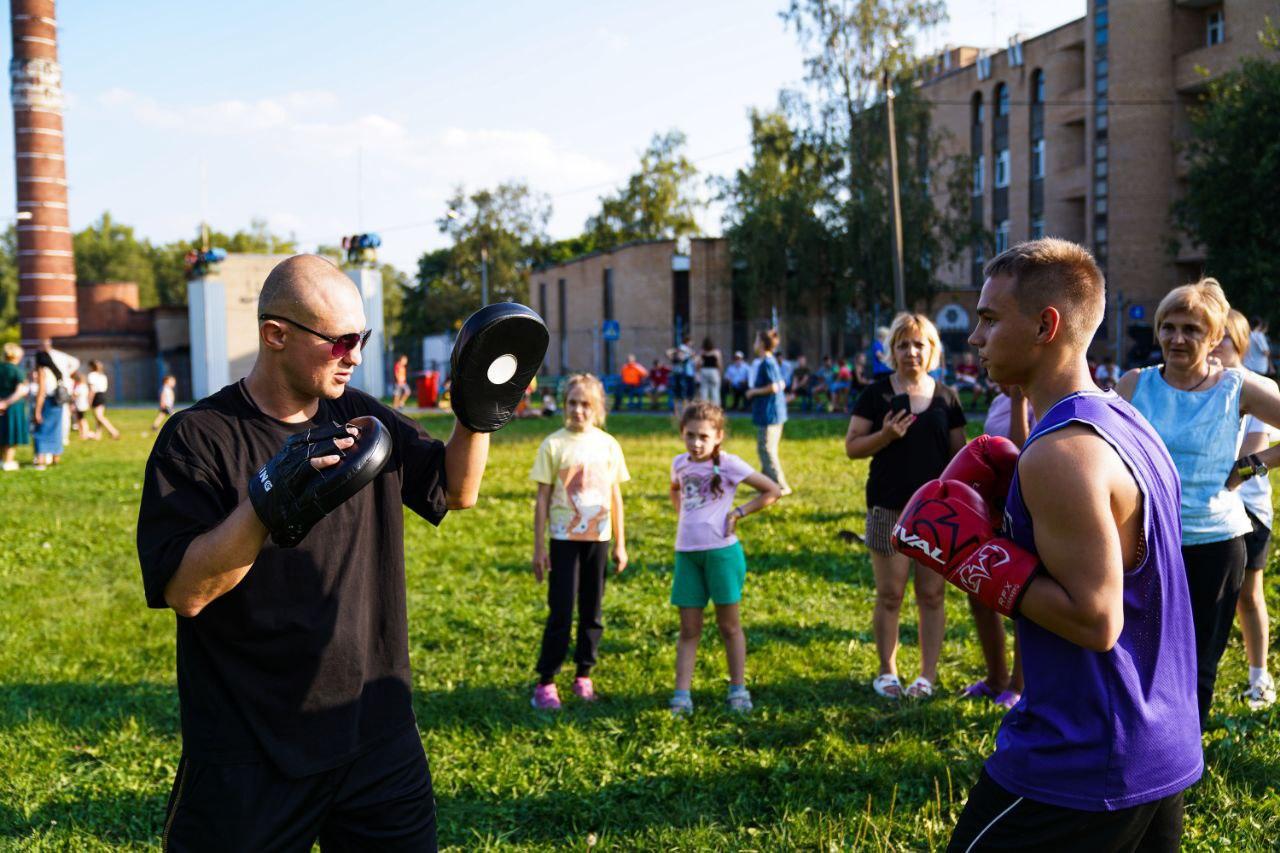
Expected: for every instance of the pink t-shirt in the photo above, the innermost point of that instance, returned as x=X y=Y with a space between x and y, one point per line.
x=702 y=513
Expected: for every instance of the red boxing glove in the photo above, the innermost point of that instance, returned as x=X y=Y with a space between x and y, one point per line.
x=947 y=527
x=986 y=464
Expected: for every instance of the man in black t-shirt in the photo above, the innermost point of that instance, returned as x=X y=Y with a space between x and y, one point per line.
x=293 y=665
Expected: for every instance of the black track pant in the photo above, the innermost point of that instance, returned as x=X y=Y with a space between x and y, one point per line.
x=577 y=576
x=1215 y=572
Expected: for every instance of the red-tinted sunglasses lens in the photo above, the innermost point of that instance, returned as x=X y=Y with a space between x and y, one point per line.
x=353 y=341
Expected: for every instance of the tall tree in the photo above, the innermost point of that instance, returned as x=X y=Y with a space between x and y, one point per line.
x=107 y=250
x=659 y=201
x=1234 y=212
x=494 y=232
x=9 y=330
x=853 y=47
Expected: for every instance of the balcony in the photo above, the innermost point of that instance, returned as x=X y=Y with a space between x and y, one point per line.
x=1186 y=77
x=1071 y=182
x=1070 y=107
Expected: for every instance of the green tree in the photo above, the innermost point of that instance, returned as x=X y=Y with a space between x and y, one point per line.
x=107 y=250
x=659 y=201
x=1231 y=206
x=439 y=299
x=9 y=285
x=853 y=47
x=494 y=232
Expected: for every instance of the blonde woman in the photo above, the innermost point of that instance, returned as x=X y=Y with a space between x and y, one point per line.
x=1251 y=610
x=1196 y=404
x=910 y=426
x=13 y=407
x=579 y=471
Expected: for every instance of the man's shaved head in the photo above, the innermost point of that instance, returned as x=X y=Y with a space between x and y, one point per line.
x=306 y=288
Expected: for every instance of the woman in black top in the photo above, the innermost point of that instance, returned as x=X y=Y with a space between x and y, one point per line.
x=710 y=363
x=910 y=426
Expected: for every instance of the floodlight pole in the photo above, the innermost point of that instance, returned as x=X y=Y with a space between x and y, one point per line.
x=895 y=214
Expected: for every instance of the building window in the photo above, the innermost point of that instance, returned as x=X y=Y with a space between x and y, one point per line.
x=979 y=254
x=1100 y=18
x=542 y=299
x=1100 y=188
x=979 y=174
x=1101 y=122
x=1100 y=86
x=1002 y=168
x=1100 y=68
x=1037 y=159
x=1215 y=27
x=1100 y=151
x=1037 y=228
x=1100 y=36
x=1002 y=100
x=1100 y=205
x=976 y=111
x=1100 y=234
x=1002 y=236
x=1037 y=87
x=1100 y=168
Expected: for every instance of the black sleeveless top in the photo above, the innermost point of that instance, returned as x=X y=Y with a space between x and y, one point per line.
x=710 y=359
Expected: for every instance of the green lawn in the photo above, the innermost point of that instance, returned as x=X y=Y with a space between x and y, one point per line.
x=89 y=734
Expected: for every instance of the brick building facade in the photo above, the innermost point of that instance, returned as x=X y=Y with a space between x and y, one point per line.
x=1077 y=133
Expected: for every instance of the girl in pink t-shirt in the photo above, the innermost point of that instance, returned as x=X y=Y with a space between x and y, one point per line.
x=710 y=564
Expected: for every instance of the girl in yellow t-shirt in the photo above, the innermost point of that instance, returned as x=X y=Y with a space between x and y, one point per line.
x=579 y=471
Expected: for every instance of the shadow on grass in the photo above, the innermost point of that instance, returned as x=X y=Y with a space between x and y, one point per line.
x=116 y=820
x=93 y=707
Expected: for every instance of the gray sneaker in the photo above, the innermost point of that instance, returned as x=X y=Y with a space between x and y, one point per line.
x=739 y=703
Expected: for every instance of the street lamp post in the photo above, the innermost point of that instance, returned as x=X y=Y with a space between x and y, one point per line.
x=895 y=221
x=484 y=261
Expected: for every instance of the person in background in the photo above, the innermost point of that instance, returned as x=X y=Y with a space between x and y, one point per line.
x=909 y=445
x=167 y=392
x=630 y=384
x=1107 y=374
x=400 y=376
x=842 y=384
x=659 y=382
x=13 y=407
x=737 y=376
x=1251 y=610
x=801 y=383
x=80 y=406
x=769 y=408
x=548 y=403
x=710 y=362
x=1196 y=406
x=1009 y=416
x=820 y=384
x=98 y=402
x=967 y=375
x=880 y=355
x=1258 y=356
x=49 y=405
x=682 y=374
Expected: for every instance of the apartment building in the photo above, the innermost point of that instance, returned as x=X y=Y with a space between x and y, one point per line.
x=1077 y=133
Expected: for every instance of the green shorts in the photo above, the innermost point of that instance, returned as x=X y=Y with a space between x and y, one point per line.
x=718 y=574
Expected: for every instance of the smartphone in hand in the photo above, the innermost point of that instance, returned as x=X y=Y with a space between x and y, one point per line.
x=899 y=403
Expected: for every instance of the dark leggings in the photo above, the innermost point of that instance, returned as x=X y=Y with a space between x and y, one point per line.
x=577 y=575
x=1215 y=572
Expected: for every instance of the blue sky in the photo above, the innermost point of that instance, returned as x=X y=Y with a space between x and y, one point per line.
x=279 y=103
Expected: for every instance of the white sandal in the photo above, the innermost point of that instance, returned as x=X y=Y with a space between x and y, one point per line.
x=921 y=688
x=888 y=686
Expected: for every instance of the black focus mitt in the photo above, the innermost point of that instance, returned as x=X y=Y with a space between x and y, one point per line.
x=495 y=356
x=290 y=495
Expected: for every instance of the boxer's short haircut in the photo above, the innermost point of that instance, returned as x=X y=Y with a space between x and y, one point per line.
x=1050 y=271
x=1204 y=299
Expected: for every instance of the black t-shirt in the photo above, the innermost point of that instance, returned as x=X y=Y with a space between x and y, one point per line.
x=305 y=662
x=919 y=456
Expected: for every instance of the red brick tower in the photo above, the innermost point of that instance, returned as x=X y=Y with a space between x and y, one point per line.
x=46 y=266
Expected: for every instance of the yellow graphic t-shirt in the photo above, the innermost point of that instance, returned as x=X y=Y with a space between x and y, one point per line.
x=581 y=468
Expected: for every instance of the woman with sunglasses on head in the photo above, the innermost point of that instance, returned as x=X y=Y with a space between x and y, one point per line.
x=289 y=583
x=1197 y=405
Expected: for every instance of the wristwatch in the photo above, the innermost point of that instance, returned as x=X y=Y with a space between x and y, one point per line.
x=1250 y=466
x=737 y=510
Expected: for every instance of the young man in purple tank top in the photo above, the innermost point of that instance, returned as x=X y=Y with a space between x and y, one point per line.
x=1086 y=557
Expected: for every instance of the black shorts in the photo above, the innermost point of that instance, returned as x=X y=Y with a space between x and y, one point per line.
x=1257 y=545
x=99 y=399
x=382 y=800
x=995 y=819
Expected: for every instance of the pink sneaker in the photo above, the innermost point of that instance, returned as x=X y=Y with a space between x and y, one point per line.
x=584 y=689
x=546 y=698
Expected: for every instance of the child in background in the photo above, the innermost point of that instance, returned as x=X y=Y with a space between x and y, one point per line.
x=709 y=559
x=166 y=401
x=579 y=471
x=80 y=406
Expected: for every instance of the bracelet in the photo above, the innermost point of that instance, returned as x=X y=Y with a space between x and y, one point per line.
x=737 y=510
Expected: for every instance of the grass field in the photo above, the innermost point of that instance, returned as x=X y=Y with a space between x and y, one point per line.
x=89 y=736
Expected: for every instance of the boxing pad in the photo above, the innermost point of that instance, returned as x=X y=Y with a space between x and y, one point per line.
x=947 y=527
x=495 y=356
x=290 y=495
x=986 y=464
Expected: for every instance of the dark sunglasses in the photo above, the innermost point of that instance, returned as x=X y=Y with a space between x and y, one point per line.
x=342 y=344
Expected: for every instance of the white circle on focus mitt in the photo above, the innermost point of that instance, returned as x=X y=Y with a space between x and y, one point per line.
x=502 y=368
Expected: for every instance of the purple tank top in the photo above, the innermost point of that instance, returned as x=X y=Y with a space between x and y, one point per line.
x=1100 y=731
